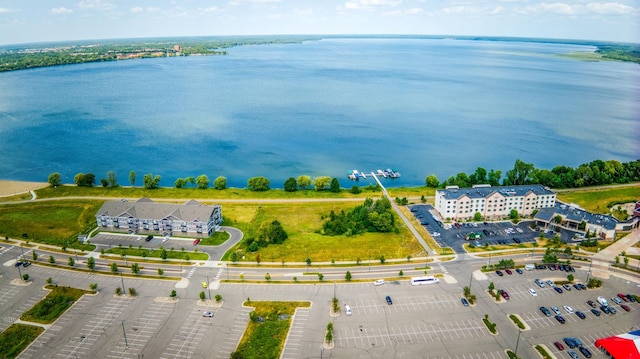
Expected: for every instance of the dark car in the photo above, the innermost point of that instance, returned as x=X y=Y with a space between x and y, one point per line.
x=605 y=309
x=595 y=312
x=591 y=303
x=573 y=354
x=582 y=286
x=560 y=319
x=580 y=314
x=509 y=272
x=612 y=310
x=519 y=271
x=18 y=263
x=559 y=345
x=585 y=352
x=464 y=302
x=631 y=298
x=570 y=343
x=558 y=289
x=504 y=294
x=389 y=301
x=26 y=264
x=149 y=237
x=486 y=233
x=625 y=307
x=545 y=311
x=623 y=297
x=499 y=273
x=577 y=286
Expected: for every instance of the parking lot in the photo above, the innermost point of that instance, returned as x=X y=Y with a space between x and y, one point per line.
x=110 y=240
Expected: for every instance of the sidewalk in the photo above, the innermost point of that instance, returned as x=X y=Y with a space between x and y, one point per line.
x=610 y=253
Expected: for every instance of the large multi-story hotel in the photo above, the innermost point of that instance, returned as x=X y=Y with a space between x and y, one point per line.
x=146 y=216
x=492 y=202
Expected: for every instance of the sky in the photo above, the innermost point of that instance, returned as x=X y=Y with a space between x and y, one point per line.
x=26 y=21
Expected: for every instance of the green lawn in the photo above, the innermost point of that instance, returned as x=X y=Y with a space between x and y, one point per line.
x=175 y=253
x=16 y=338
x=264 y=340
x=54 y=223
x=302 y=221
x=600 y=200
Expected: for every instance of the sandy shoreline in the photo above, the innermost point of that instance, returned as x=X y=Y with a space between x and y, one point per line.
x=11 y=188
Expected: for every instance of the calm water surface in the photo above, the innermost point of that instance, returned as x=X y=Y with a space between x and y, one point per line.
x=321 y=108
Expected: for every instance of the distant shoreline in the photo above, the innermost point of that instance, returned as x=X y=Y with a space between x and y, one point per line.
x=12 y=188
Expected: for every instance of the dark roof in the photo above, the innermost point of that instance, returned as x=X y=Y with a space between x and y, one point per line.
x=576 y=215
x=483 y=192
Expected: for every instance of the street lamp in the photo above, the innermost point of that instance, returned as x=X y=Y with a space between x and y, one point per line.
x=122 y=279
x=208 y=287
x=19 y=272
x=125 y=335
x=517 y=342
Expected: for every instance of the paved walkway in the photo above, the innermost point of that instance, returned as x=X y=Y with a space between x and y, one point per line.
x=610 y=253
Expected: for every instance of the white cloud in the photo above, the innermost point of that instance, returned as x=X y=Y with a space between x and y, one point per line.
x=136 y=9
x=5 y=10
x=460 y=9
x=96 y=4
x=61 y=11
x=610 y=8
x=411 y=11
x=369 y=4
x=210 y=9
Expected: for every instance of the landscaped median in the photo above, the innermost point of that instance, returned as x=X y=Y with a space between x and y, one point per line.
x=19 y=336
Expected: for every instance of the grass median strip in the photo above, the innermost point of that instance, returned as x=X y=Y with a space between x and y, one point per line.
x=16 y=338
x=54 y=304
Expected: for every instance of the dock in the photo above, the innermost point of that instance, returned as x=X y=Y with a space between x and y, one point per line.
x=356 y=175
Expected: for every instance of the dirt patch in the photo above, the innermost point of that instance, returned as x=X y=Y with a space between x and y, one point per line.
x=12 y=188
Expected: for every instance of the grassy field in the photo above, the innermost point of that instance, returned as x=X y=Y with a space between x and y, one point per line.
x=600 y=200
x=53 y=223
x=301 y=221
x=16 y=338
x=175 y=253
x=53 y=305
x=265 y=340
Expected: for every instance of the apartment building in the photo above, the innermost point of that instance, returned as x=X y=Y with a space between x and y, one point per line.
x=492 y=202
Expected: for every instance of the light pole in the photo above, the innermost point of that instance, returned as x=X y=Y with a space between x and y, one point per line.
x=122 y=279
x=517 y=342
x=589 y=272
x=19 y=272
x=470 y=279
x=334 y=289
x=321 y=350
x=208 y=288
x=125 y=335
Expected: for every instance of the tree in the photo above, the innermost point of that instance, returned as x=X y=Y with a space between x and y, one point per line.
x=220 y=183
x=114 y=267
x=179 y=183
x=54 y=179
x=570 y=277
x=112 y=181
x=514 y=215
x=347 y=276
x=304 y=182
x=190 y=180
x=135 y=268
x=202 y=182
x=104 y=182
x=93 y=286
x=320 y=277
x=160 y=271
x=290 y=185
x=72 y=262
x=52 y=260
x=494 y=177
x=355 y=189
x=321 y=182
x=218 y=298
x=173 y=293
x=132 y=292
x=25 y=277
x=520 y=174
x=335 y=185
x=84 y=180
x=491 y=287
x=163 y=254
x=477 y=216
x=382 y=260
x=118 y=290
x=258 y=184
x=432 y=181
x=267 y=276
x=91 y=263
x=132 y=178
x=203 y=296
x=151 y=182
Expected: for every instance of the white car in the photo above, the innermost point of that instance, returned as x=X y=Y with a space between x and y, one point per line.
x=568 y=309
x=378 y=282
x=207 y=314
x=550 y=283
x=533 y=292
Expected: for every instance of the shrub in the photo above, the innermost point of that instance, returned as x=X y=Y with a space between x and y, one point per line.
x=132 y=292
x=203 y=296
x=218 y=298
x=173 y=293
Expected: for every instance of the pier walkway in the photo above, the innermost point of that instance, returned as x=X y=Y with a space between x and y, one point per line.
x=404 y=218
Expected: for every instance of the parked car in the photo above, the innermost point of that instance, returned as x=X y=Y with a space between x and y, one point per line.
x=612 y=310
x=26 y=263
x=499 y=273
x=559 y=345
x=464 y=302
x=625 y=307
x=18 y=263
x=504 y=294
x=539 y=283
x=573 y=354
x=585 y=352
x=577 y=341
x=518 y=270
x=595 y=312
x=631 y=298
x=195 y=243
x=568 y=309
x=550 y=283
x=566 y=287
x=389 y=301
x=592 y=304
x=207 y=314
x=509 y=272
x=577 y=286
x=570 y=343
x=581 y=315
x=555 y=309
x=623 y=297
x=533 y=292
x=560 y=319
x=149 y=237
x=557 y=289
x=605 y=309
x=378 y=282
x=617 y=300
x=582 y=286
x=545 y=311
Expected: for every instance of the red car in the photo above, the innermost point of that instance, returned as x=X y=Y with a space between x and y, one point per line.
x=509 y=272
x=623 y=297
x=504 y=294
x=195 y=243
x=559 y=345
x=625 y=307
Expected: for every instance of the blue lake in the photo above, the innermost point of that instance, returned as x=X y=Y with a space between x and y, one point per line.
x=318 y=108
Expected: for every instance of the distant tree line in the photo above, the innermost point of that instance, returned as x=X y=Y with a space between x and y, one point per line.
x=594 y=173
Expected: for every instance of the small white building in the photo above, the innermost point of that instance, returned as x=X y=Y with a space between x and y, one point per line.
x=492 y=202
